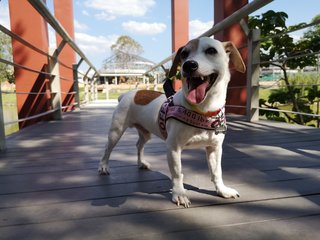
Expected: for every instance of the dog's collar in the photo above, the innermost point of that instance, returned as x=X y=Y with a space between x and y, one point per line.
x=210 y=121
x=208 y=114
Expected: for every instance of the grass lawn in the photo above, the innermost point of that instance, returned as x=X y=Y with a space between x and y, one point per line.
x=265 y=93
x=10 y=112
x=116 y=90
x=10 y=109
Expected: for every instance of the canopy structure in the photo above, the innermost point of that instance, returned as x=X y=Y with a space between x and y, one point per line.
x=126 y=65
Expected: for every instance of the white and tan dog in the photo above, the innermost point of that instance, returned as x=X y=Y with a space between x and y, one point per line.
x=205 y=71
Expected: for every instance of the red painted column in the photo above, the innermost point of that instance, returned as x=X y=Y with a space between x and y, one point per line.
x=29 y=25
x=223 y=9
x=180 y=28
x=180 y=23
x=63 y=11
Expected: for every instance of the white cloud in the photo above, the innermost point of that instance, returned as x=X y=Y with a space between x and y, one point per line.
x=4 y=15
x=197 y=27
x=52 y=38
x=94 y=44
x=114 y=8
x=80 y=26
x=85 y=13
x=96 y=48
x=104 y=16
x=144 y=28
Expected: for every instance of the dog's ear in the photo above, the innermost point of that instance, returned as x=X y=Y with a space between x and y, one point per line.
x=175 y=63
x=235 y=56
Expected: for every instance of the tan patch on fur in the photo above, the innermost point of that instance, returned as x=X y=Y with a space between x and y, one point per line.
x=144 y=97
x=194 y=44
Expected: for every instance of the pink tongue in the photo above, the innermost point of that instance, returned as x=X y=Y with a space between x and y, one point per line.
x=196 y=95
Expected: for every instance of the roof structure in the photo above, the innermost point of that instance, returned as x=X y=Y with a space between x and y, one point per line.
x=125 y=64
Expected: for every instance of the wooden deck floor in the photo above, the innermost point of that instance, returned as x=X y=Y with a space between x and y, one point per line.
x=49 y=187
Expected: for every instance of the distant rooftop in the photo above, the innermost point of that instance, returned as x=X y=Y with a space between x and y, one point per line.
x=125 y=63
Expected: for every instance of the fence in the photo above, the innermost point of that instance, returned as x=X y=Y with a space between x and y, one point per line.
x=290 y=87
x=254 y=64
x=56 y=108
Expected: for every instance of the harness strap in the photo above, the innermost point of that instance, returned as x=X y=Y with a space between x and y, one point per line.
x=194 y=119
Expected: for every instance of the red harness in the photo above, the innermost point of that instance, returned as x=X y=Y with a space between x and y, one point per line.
x=215 y=121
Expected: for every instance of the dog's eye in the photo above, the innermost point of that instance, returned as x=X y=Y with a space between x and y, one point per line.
x=211 y=51
x=184 y=54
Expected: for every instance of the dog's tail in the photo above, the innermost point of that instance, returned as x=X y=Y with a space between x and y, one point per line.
x=120 y=97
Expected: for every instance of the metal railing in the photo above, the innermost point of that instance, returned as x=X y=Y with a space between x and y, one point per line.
x=51 y=73
x=236 y=17
x=282 y=82
x=253 y=64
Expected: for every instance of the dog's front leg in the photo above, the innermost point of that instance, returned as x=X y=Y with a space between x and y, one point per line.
x=178 y=192
x=214 y=155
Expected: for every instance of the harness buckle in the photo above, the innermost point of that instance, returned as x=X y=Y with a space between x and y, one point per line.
x=220 y=129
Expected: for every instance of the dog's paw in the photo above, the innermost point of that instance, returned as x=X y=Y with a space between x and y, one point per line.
x=227 y=192
x=145 y=166
x=103 y=170
x=181 y=200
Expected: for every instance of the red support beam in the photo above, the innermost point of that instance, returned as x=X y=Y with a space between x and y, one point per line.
x=63 y=11
x=223 y=9
x=29 y=25
x=180 y=23
x=180 y=28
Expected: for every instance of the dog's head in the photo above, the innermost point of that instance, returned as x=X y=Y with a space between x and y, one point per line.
x=204 y=63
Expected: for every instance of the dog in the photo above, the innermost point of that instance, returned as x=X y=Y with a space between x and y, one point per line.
x=205 y=74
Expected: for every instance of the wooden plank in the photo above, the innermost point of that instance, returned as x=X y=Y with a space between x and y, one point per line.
x=152 y=223
x=49 y=184
x=199 y=194
x=292 y=228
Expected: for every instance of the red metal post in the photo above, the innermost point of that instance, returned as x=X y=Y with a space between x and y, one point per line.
x=63 y=11
x=180 y=23
x=29 y=25
x=223 y=9
x=180 y=28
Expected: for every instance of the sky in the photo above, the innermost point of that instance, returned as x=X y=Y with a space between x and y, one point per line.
x=98 y=23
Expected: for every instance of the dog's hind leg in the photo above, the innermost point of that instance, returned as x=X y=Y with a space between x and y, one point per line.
x=118 y=126
x=144 y=136
x=113 y=138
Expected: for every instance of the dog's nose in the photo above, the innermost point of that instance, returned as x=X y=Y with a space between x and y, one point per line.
x=190 y=66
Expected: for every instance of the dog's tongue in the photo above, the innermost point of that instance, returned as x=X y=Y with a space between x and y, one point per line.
x=197 y=91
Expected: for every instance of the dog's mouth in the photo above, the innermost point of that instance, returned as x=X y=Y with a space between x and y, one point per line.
x=199 y=86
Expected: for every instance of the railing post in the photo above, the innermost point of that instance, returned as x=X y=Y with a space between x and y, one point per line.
x=86 y=89
x=55 y=81
x=107 y=89
x=253 y=74
x=96 y=89
x=55 y=90
x=92 y=90
x=2 y=126
x=76 y=84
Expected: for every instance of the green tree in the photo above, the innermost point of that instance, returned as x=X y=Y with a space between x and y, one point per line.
x=282 y=51
x=127 y=45
x=6 y=71
x=124 y=51
x=313 y=35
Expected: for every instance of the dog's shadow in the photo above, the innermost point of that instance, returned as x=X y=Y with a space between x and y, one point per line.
x=190 y=187
x=148 y=184
x=115 y=189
